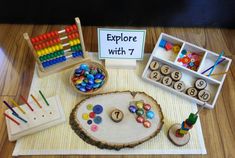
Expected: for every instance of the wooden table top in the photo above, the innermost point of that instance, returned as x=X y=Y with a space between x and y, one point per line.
x=17 y=66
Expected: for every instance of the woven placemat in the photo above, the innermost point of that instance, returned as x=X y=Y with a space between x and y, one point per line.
x=61 y=139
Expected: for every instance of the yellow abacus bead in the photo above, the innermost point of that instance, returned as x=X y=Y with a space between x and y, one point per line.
x=71 y=43
x=46 y=51
x=50 y=49
x=60 y=45
x=53 y=48
x=78 y=41
x=43 y=52
x=75 y=42
x=57 y=47
x=39 y=53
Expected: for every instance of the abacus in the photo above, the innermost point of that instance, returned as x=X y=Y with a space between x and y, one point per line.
x=57 y=50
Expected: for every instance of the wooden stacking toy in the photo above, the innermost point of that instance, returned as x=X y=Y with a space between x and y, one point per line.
x=187 y=70
x=57 y=50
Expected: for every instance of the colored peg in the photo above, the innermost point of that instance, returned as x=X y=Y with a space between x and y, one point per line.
x=39 y=105
x=43 y=97
x=13 y=111
x=26 y=102
x=12 y=119
x=16 y=105
x=18 y=116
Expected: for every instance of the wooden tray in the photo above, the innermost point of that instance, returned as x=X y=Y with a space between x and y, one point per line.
x=214 y=83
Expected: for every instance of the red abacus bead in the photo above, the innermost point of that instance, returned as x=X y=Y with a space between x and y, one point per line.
x=48 y=43
x=69 y=36
x=48 y=35
x=44 y=45
x=67 y=29
x=73 y=36
x=40 y=37
x=92 y=115
x=140 y=119
x=36 y=39
x=74 y=27
x=44 y=36
x=58 y=40
x=71 y=28
x=33 y=40
x=76 y=34
x=56 y=33
x=52 y=34
x=40 y=46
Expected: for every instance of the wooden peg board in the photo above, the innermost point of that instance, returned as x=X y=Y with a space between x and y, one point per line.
x=46 y=56
x=37 y=120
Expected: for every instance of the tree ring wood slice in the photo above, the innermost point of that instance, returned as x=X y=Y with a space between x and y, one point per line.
x=178 y=141
x=127 y=133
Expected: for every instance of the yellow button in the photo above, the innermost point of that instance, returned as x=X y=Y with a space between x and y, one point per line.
x=85 y=116
x=89 y=107
x=139 y=105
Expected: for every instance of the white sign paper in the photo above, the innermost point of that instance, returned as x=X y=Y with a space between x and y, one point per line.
x=121 y=43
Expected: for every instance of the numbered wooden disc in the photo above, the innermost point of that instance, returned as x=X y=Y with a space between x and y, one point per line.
x=155 y=75
x=192 y=91
x=200 y=84
x=179 y=86
x=176 y=75
x=204 y=95
x=166 y=80
x=165 y=69
x=117 y=115
x=154 y=65
x=179 y=141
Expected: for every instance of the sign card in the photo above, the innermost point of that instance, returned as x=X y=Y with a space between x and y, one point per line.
x=121 y=43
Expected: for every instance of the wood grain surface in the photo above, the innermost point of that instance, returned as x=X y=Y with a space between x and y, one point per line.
x=17 y=66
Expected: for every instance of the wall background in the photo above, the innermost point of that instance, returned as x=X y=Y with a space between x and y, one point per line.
x=180 y=13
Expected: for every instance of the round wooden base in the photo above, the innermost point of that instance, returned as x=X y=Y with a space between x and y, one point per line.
x=179 y=141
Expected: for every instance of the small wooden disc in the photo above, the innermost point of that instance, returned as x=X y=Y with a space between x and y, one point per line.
x=154 y=65
x=176 y=75
x=192 y=91
x=155 y=75
x=200 y=84
x=204 y=95
x=117 y=115
x=179 y=86
x=166 y=80
x=179 y=141
x=165 y=69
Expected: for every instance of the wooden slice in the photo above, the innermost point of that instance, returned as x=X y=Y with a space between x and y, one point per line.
x=179 y=86
x=107 y=134
x=154 y=65
x=117 y=115
x=155 y=75
x=176 y=75
x=204 y=95
x=192 y=91
x=166 y=81
x=165 y=69
x=200 y=84
x=178 y=141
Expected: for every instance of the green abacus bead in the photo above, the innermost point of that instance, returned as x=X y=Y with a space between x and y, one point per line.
x=72 y=48
x=79 y=47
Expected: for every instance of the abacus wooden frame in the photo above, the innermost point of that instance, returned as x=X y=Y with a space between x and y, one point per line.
x=57 y=67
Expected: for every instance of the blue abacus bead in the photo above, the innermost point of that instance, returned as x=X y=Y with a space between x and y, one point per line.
x=97 y=85
x=83 y=83
x=102 y=77
x=132 y=109
x=98 y=109
x=162 y=43
x=90 y=76
x=44 y=64
x=83 y=89
x=150 y=114
x=64 y=58
x=73 y=54
x=78 y=86
x=53 y=61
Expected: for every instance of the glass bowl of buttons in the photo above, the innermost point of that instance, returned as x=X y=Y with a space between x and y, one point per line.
x=88 y=77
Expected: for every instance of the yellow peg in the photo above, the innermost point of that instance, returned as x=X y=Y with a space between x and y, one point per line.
x=16 y=105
